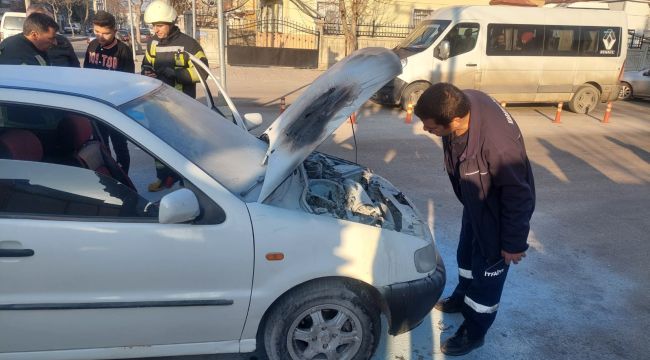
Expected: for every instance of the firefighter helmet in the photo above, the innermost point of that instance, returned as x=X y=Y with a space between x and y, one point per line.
x=160 y=11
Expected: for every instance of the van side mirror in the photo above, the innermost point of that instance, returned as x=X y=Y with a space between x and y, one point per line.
x=178 y=207
x=442 y=51
x=253 y=120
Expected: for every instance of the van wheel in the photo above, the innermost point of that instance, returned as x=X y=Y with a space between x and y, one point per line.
x=585 y=99
x=626 y=91
x=412 y=94
x=325 y=320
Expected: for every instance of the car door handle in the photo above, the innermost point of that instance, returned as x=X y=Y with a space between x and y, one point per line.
x=471 y=65
x=16 y=252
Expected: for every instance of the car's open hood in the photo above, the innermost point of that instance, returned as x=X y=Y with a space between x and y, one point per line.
x=324 y=106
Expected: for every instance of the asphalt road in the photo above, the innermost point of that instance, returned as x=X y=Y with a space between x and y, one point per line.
x=582 y=292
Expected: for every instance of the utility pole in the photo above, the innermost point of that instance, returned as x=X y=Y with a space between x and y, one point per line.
x=222 y=45
x=194 y=19
x=131 y=25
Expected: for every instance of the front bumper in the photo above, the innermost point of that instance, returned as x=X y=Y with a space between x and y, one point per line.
x=410 y=302
x=391 y=93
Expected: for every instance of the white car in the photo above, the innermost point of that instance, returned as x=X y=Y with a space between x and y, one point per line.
x=635 y=84
x=11 y=24
x=263 y=243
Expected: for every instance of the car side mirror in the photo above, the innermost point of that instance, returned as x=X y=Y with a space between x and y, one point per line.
x=442 y=50
x=647 y=73
x=178 y=207
x=253 y=120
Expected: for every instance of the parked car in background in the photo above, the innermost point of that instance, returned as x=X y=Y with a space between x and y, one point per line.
x=264 y=243
x=76 y=27
x=145 y=35
x=123 y=35
x=11 y=24
x=635 y=84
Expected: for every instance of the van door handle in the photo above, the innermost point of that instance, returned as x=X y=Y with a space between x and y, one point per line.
x=16 y=252
x=471 y=65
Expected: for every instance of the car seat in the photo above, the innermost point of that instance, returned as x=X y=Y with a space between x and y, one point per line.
x=75 y=134
x=18 y=144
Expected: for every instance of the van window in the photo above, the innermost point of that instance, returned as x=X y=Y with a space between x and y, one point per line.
x=515 y=40
x=600 y=41
x=462 y=38
x=561 y=40
x=424 y=35
x=13 y=22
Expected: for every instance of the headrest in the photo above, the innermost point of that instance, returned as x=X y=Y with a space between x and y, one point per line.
x=19 y=144
x=74 y=131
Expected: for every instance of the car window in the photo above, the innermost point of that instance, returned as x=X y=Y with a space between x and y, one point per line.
x=462 y=38
x=77 y=142
x=52 y=190
x=14 y=22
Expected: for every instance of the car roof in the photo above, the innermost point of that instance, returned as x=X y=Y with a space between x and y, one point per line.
x=113 y=87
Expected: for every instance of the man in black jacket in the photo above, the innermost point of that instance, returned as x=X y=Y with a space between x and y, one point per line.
x=486 y=161
x=108 y=53
x=30 y=47
x=62 y=54
x=165 y=60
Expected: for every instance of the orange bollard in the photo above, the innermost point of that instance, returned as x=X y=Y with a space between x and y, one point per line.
x=558 y=113
x=283 y=105
x=409 y=113
x=353 y=118
x=608 y=112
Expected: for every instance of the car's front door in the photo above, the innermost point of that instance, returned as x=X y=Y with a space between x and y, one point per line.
x=462 y=68
x=104 y=273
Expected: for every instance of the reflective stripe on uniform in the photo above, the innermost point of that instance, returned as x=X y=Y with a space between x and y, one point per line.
x=480 y=308
x=170 y=48
x=464 y=273
x=40 y=60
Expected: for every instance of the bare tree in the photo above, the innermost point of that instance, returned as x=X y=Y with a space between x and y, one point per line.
x=69 y=7
x=56 y=7
x=352 y=13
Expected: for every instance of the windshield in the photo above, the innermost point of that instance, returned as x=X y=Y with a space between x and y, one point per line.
x=424 y=34
x=14 y=22
x=222 y=149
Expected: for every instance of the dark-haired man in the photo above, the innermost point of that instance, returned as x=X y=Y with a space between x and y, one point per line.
x=486 y=161
x=61 y=54
x=108 y=53
x=30 y=47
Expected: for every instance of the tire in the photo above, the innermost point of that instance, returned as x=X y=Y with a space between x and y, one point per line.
x=412 y=93
x=626 y=91
x=585 y=99
x=327 y=320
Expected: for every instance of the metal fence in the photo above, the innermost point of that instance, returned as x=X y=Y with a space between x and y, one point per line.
x=370 y=30
x=635 y=41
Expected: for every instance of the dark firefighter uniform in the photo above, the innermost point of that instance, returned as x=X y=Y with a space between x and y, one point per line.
x=491 y=175
x=173 y=68
x=18 y=50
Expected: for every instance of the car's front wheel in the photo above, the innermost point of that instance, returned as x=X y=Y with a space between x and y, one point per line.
x=625 y=92
x=326 y=320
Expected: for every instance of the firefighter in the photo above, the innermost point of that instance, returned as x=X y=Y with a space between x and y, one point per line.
x=165 y=60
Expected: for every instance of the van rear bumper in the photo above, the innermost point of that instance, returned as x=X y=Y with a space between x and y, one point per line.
x=610 y=93
x=391 y=93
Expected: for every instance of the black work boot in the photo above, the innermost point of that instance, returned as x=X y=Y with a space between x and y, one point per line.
x=460 y=343
x=450 y=305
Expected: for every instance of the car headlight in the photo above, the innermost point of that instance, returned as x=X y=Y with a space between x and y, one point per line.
x=426 y=258
x=403 y=62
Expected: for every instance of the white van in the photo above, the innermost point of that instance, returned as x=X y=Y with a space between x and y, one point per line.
x=515 y=54
x=11 y=24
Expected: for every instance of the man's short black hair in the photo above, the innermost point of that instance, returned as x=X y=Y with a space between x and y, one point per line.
x=442 y=102
x=39 y=23
x=104 y=19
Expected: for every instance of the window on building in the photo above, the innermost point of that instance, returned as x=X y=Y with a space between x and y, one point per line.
x=419 y=15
